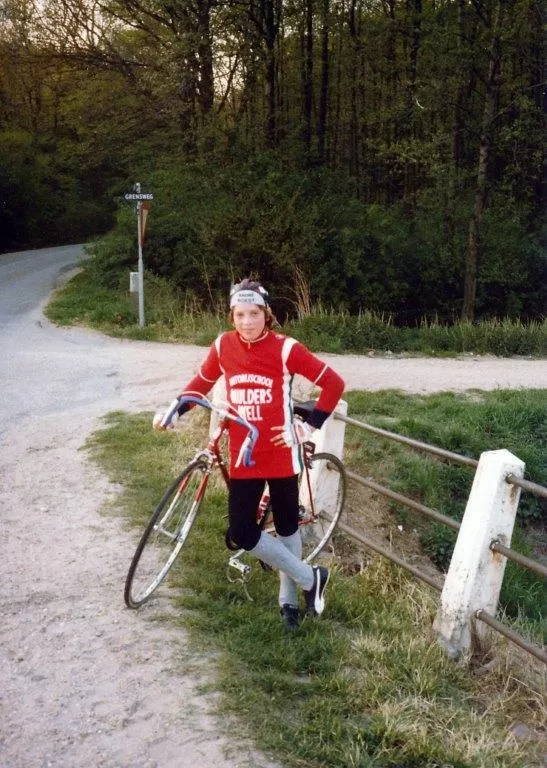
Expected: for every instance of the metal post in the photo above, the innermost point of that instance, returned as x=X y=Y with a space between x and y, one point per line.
x=141 y=266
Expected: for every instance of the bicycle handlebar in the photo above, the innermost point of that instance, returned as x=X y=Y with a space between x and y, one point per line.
x=252 y=432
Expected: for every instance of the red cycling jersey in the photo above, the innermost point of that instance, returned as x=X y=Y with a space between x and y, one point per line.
x=259 y=377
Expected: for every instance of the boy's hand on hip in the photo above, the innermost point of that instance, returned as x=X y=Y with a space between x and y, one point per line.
x=294 y=434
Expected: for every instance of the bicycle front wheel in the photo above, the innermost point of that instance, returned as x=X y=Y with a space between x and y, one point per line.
x=322 y=498
x=165 y=534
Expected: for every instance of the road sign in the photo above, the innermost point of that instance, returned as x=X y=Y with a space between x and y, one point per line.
x=145 y=208
x=139 y=196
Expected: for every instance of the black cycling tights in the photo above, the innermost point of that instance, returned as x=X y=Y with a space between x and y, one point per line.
x=243 y=499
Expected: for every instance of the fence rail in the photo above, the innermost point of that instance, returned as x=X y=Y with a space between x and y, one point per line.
x=526 y=485
x=407 y=501
x=511 y=635
x=516 y=557
x=440 y=452
x=495 y=546
x=436 y=584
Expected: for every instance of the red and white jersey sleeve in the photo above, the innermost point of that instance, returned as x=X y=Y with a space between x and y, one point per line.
x=259 y=378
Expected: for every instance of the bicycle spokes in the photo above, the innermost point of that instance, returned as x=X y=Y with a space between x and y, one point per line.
x=322 y=495
x=165 y=534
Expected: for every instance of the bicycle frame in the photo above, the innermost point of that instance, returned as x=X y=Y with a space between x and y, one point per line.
x=212 y=455
x=143 y=580
x=305 y=518
x=213 y=458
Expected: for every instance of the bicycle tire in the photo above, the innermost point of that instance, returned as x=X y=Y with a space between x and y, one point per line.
x=329 y=499
x=164 y=535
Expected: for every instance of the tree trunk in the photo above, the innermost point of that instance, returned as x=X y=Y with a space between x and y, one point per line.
x=307 y=84
x=206 y=87
x=481 y=189
x=271 y=15
x=353 y=148
x=324 y=91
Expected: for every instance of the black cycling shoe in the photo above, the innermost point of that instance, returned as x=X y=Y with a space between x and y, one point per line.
x=291 y=616
x=315 y=597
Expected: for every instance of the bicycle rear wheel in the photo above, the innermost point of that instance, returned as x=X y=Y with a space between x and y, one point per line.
x=321 y=506
x=165 y=534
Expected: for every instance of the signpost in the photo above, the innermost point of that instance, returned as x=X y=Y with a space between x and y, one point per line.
x=143 y=206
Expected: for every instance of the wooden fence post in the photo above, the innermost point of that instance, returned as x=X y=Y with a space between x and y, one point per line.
x=475 y=574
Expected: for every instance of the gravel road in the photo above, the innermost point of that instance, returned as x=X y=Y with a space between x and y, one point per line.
x=83 y=681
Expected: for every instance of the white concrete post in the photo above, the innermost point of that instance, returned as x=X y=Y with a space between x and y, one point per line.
x=475 y=574
x=328 y=439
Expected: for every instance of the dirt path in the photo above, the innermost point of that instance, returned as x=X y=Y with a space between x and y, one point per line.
x=83 y=681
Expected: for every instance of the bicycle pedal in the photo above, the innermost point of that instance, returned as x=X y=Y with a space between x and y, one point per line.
x=243 y=568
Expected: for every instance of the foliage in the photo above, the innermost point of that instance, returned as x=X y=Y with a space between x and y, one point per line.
x=345 y=144
x=177 y=314
x=366 y=685
x=90 y=304
x=305 y=235
x=41 y=200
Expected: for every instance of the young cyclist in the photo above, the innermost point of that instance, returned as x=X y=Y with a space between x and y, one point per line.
x=258 y=366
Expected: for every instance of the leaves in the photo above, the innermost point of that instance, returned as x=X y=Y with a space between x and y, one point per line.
x=340 y=140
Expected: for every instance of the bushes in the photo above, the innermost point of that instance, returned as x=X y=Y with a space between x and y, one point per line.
x=99 y=296
x=305 y=231
x=330 y=332
x=343 y=276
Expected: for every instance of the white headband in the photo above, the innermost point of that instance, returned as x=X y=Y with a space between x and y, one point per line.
x=247 y=297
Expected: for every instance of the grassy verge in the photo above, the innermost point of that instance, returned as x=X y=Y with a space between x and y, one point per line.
x=103 y=302
x=364 y=687
x=468 y=424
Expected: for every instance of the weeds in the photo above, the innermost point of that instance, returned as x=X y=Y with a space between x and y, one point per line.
x=174 y=315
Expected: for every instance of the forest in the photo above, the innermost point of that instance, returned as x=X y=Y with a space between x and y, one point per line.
x=362 y=155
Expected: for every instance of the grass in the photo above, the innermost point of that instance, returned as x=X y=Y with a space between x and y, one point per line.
x=114 y=311
x=465 y=423
x=366 y=686
x=106 y=305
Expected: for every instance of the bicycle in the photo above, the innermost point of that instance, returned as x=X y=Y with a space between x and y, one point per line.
x=322 y=497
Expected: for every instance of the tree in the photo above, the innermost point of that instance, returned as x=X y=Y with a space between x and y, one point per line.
x=493 y=23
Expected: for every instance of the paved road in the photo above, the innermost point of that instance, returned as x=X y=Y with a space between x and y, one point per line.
x=83 y=681
x=45 y=369
x=35 y=361
x=27 y=277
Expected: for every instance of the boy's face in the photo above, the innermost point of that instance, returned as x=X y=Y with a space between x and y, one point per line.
x=249 y=321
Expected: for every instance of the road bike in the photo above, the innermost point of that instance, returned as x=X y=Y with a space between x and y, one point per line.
x=321 y=501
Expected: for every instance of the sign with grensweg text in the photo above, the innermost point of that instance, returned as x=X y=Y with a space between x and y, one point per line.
x=139 y=196
x=143 y=208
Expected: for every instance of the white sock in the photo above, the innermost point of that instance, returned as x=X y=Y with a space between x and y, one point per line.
x=288 y=588
x=274 y=553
